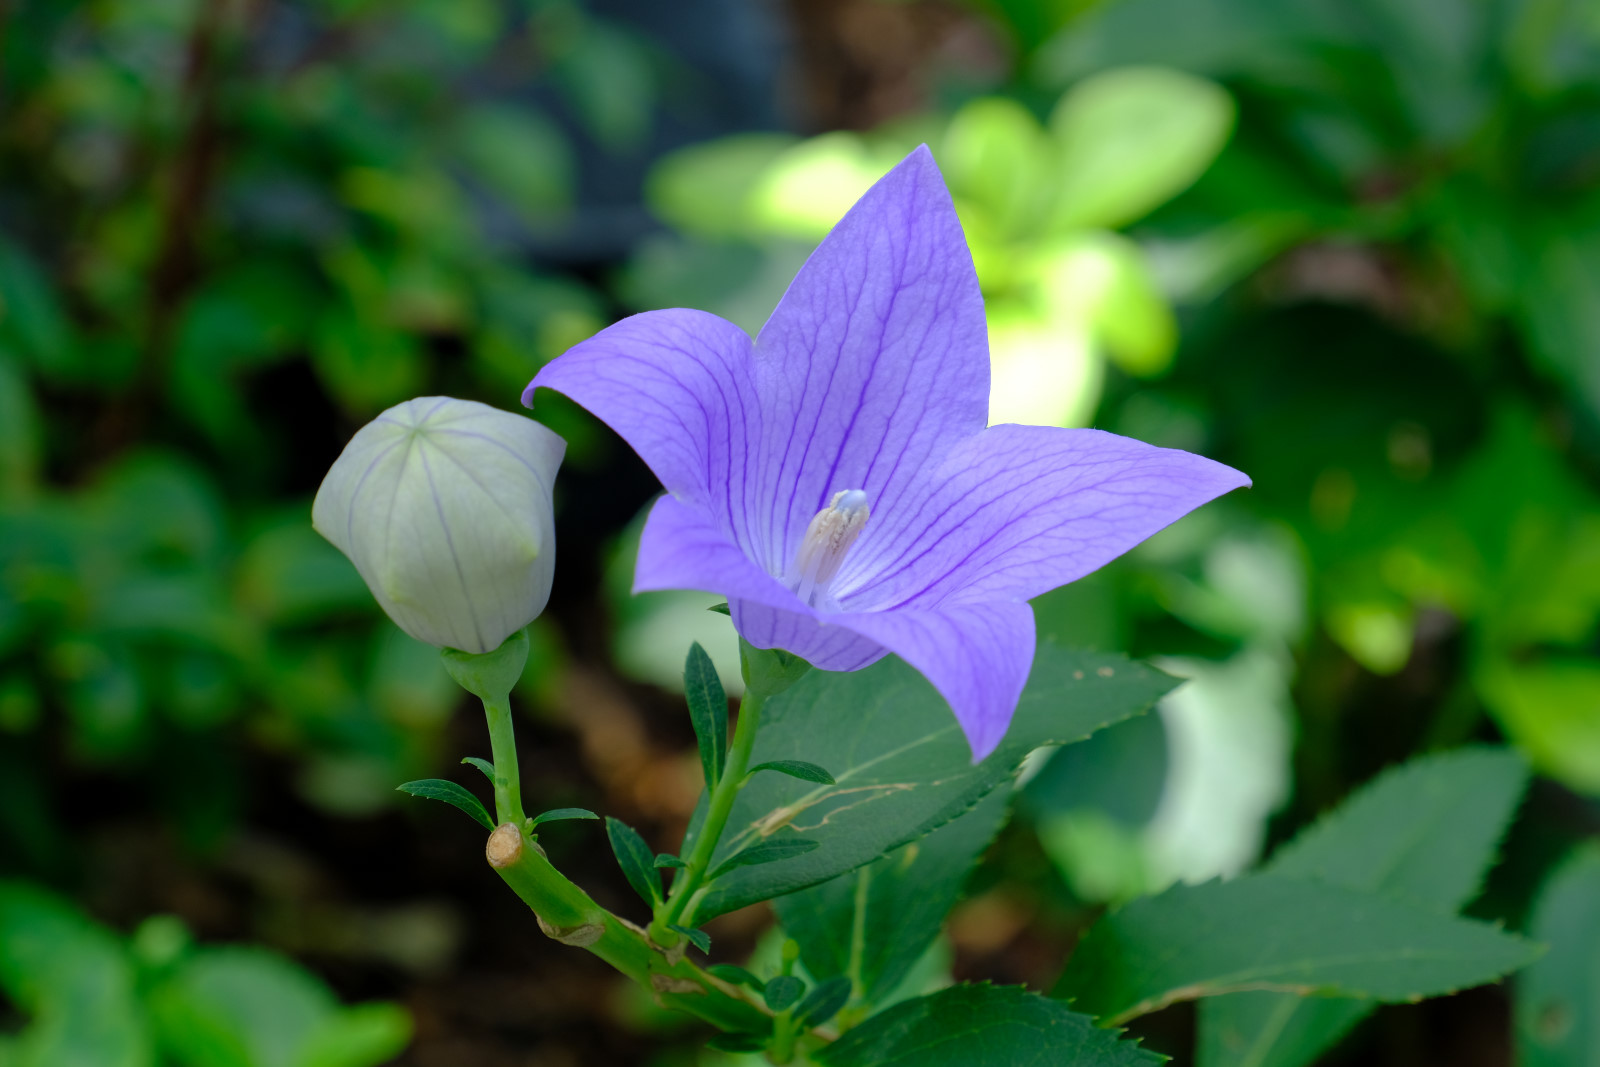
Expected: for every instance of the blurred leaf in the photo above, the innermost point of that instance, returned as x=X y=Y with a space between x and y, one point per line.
x=635 y=859
x=1425 y=832
x=407 y=682
x=365 y=366
x=1558 y=997
x=19 y=431
x=1551 y=709
x=823 y=1002
x=902 y=765
x=1270 y=931
x=704 y=189
x=1131 y=139
x=794 y=768
x=810 y=186
x=522 y=156
x=1099 y=282
x=451 y=793
x=666 y=860
x=982 y=1026
x=736 y=975
x=31 y=317
x=783 y=991
x=74 y=977
x=708 y=712
x=873 y=924
x=361 y=1036
x=995 y=155
x=606 y=75
x=288 y=573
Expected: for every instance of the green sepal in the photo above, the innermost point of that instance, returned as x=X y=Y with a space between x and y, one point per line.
x=451 y=793
x=795 y=768
x=489 y=675
x=783 y=991
x=765 y=852
x=666 y=860
x=561 y=815
x=698 y=938
x=635 y=859
x=721 y=609
x=823 y=1002
x=708 y=712
x=769 y=671
x=733 y=974
x=482 y=764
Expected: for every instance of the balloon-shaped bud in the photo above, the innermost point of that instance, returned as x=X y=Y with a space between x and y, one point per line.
x=444 y=507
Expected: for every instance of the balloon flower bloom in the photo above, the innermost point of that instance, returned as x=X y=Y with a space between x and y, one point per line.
x=834 y=479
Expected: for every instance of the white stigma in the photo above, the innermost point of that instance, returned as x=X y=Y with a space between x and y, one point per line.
x=827 y=541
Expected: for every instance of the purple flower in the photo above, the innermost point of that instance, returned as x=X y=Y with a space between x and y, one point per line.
x=835 y=480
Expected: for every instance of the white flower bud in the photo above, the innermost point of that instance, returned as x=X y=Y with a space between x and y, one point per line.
x=444 y=507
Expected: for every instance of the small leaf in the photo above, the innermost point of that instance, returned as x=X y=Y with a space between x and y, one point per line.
x=635 y=859
x=721 y=609
x=708 y=711
x=698 y=938
x=765 y=852
x=562 y=814
x=737 y=1043
x=795 y=768
x=482 y=764
x=823 y=1002
x=733 y=974
x=667 y=859
x=783 y=991
x=1558 y=998
x=982 y=1026
x=450 y=793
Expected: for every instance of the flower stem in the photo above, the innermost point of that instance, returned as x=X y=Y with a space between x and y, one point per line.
x=567 y=914
x=490 y=676
x=503 y=750
x=688 y=881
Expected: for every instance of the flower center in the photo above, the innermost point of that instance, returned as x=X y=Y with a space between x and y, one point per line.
x=827 y=541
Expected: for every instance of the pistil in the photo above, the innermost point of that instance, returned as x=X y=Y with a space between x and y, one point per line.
x=828 y=540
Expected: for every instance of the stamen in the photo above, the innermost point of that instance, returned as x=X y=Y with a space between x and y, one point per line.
x=827 y=541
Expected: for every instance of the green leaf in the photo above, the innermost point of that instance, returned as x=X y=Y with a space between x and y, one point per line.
x=1268 y=931
x=736 y=975
x=795 y=768
x=901 y=764
x=708 y=711
x=561 y=815
x=764 y=852
x=1425 y=832
x=781 y=992
x=482 y=764
x=1131 y=139
x=635 y=859
x=823 y=1002
x=698 y=938
x=737 y=1043
x=450 y=793
x=982 y=1026
x=361 y=1036
x=666 y=859
x=906 y=896
x=1558 y=998
x=721 y=609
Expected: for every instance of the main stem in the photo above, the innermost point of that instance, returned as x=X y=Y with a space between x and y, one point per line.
x=503 y=750
x=717 y=812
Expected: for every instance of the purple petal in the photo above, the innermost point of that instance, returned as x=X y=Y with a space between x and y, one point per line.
x=876 y=362
x=977 y=655
x=1016 y=511
x=678 y=386
x=824 y=645
x=682 y=547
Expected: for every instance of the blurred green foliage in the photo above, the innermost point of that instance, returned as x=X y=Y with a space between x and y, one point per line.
x=96 y=1000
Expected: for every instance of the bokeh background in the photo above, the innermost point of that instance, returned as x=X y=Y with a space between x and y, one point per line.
x=1352 y=248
